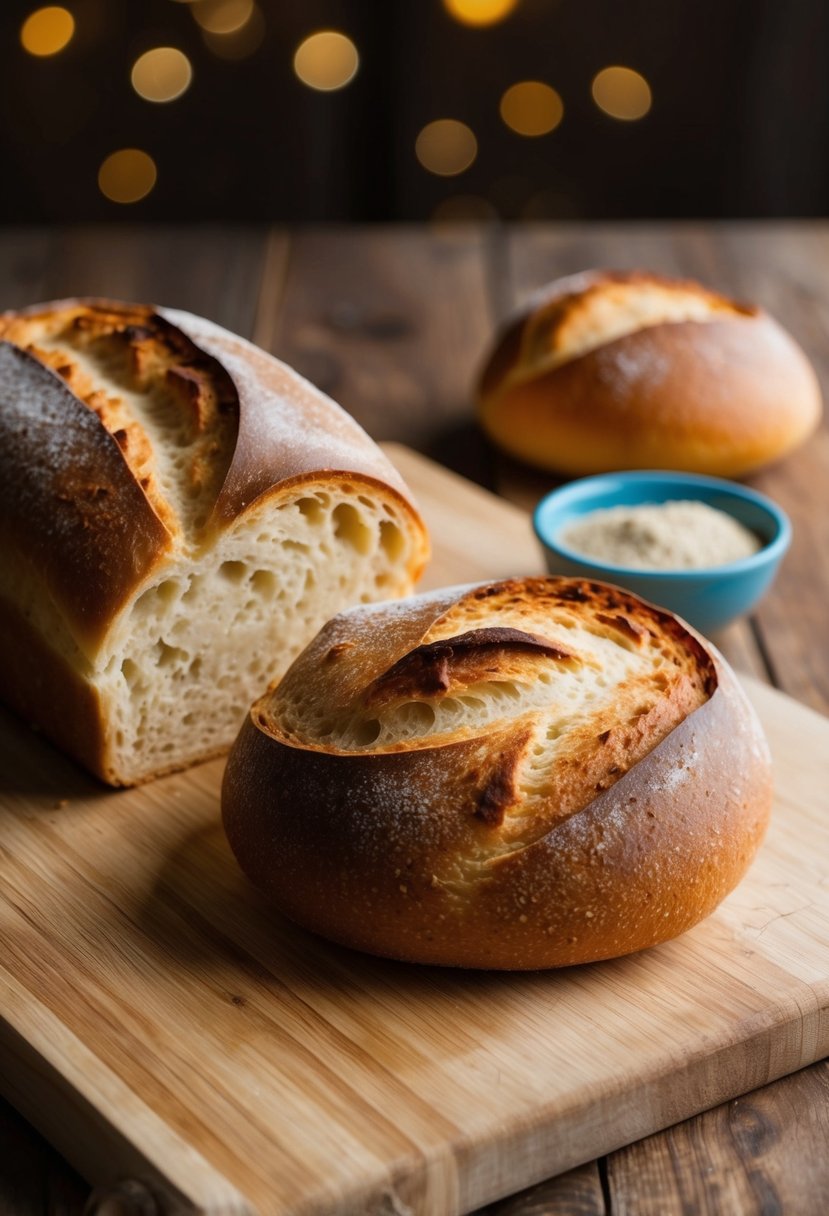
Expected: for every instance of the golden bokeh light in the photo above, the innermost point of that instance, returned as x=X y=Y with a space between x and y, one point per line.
x=326 y=61
x=446 y=147
x=161 y=74
x=239 y=43
x=222 y=16
x=532 y=108
x=479 y=12
x=127 y=176
x=622 y=93
x=47 y=31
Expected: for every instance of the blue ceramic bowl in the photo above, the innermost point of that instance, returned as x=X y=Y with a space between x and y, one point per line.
x=708 y=598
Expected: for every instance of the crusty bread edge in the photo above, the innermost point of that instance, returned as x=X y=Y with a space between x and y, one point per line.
x=36 y=681
x=277 y=467
x=631 y=869
x=596 y=412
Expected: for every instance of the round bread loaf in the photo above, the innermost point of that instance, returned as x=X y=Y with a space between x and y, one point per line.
x=604 y=371
x=526 y=774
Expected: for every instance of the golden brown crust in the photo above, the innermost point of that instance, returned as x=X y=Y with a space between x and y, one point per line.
x=70 y=506
x=104 y=351
x=287 y=429
x=444 y=848
x=722 y=392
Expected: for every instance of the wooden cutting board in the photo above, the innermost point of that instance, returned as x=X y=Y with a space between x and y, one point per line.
x=163 y=1025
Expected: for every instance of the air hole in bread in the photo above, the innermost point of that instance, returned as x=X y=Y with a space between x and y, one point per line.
x=350 y=527
x=234 y=572
x=170 y=656
x=129 y=671
x=313 y=508
x=392 y=539
x=367 y=733
x=417 y=715
x=263 y=582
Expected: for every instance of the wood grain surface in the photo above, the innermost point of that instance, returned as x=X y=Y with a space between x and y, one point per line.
x=232 y=1063
x=395 y=325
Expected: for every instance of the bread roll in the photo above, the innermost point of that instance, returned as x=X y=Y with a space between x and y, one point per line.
x=605 y=371
x=526 y=774
x=179 y=514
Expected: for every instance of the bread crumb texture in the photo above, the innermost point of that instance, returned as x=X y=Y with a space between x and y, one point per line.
x=586 y=677
x=178 y=608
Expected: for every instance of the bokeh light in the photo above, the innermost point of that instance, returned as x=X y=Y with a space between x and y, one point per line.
x=622 y=93
x=479 y=12
x=446 y=147
x=326 y=61
x=161 y=74
x=127 y=176
x=240 y=43
x=47 y=31
x=532 y=108
x=222 y=16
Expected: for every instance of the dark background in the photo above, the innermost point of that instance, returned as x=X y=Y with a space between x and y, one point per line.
x=738 y=125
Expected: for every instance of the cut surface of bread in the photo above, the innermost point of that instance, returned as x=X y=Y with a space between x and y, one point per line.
x=193 y=649
x=528 y=773
x=179 y=514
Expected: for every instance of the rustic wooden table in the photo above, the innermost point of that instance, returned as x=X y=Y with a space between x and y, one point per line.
x=392 y=322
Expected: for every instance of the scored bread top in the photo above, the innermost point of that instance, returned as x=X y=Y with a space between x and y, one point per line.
x=619 y=370
x=571 y=683
x=128 y=432
x=574 y=315
x=530 y=773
